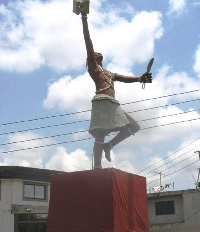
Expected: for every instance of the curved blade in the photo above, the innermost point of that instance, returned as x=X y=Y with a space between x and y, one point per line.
x=150 y=65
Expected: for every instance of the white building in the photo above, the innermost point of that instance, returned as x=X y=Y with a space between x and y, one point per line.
x=174 y=211
x=25 y=194
x=24 y=199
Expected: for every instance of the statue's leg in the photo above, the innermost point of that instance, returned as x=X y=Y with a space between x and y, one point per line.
x=132 y=128
x=133 y=124
x=122 y=135
x=98 y=150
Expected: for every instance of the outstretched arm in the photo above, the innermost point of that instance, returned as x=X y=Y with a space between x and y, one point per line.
x=88 y=41
x=129 y=79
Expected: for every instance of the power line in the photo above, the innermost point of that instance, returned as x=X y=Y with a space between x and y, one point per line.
x=156 y=107
x=165 y=116
x=85 y=111
x=177 y=163
x=46 y=117
x=64 y=134
x=42 y=127
x=155 y=98
x=59 y=143
x=47 y=145
x=167 y=156
x=174 y=171
x=40 y=138
x=172 y=160
x=56 y=125
x=151 y=127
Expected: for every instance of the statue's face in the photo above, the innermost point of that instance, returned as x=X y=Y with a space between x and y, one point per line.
x=98 y=57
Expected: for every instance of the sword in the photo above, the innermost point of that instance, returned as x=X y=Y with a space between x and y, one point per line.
x=148 y=70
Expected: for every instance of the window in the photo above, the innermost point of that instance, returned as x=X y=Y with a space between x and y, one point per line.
x=35 y=191
x=165 y=207
x=31 y=222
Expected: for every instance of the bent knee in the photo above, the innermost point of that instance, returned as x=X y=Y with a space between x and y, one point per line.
x=135 y=128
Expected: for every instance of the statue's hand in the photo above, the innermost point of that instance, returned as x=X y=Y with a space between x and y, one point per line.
x=146 y=78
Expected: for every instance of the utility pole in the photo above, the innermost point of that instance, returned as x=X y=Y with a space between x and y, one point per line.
x=160 y=178
x=160 y=173
x=198 y=153
x=198 y=168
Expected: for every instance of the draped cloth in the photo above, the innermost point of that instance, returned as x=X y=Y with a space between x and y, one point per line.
x=106 y=200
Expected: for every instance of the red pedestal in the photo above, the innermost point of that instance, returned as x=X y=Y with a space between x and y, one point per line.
x=107 y=200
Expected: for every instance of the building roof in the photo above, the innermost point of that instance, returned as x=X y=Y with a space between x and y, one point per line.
x=171 y=193
x=26 y=173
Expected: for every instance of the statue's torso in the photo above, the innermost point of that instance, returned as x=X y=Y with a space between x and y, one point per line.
x=103 y=80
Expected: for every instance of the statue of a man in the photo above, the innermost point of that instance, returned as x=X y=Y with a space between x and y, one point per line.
x=107 y=115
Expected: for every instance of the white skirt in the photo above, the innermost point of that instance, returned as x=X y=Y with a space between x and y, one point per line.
x=106 y=116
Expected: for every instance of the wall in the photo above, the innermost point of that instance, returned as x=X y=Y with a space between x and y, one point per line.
x=12 y=201
x=191 y=201
x=187 y=212
x=6 y=218
x=178 y=217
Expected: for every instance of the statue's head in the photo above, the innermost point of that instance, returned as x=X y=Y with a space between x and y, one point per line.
x=98 y=57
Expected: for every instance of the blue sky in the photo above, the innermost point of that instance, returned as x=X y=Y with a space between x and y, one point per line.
x=43 y=73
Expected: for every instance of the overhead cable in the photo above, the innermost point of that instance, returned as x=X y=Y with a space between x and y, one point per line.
x=176 y=163
x=64 y=134
x=172 y=159
x=59 y=143
x=174 y=171
x=56 y=125
x=151 y=127
x=167 y=157
x=85 y=111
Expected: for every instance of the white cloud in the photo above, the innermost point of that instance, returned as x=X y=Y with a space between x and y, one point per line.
x=42 y=34
x=197 y=3
x=36 y=34
x=69 y=93
x=61 y=94
x=82 y=134
x=197 y=62
x=177 y=6
x=57 y=158
x=42 y=157
x=25 y=157
x=165 y=83
x=134 y=40
x=176 y=166
x=49 y=34
x=75 y=161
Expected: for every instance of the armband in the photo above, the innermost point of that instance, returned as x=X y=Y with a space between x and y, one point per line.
x=113 y=77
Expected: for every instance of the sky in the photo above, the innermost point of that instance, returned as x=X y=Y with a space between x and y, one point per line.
x=46 y=92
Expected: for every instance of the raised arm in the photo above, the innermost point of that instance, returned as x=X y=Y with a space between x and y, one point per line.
x=88 y=41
